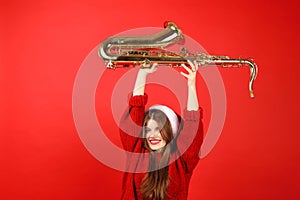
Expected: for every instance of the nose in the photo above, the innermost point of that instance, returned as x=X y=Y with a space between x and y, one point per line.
x=153 y=134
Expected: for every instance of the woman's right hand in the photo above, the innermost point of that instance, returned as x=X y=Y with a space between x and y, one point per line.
x=149 y=69
x=140 y=82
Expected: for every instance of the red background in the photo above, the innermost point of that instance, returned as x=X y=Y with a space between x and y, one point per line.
x=43 y=44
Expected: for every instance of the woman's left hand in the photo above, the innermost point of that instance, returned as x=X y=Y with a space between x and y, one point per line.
x=191 y=75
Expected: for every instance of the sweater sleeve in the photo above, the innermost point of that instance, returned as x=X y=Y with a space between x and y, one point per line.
x=190 y=139
x=131 y=122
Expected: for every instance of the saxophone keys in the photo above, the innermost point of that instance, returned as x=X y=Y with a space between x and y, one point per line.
x=110 y=65
x=146 y=63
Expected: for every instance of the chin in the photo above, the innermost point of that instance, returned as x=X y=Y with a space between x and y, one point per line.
x=156 y=147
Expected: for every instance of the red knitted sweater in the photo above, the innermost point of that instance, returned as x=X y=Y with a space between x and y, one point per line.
x=180 y=170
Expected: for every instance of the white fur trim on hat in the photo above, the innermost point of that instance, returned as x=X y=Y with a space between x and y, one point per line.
x=170 y=114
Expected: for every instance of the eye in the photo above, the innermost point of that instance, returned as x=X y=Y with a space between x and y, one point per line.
x=147 y=130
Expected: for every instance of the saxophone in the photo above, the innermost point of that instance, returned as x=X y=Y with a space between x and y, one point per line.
x=141 y=51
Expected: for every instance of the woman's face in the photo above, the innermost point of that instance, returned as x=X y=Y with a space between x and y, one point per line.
x=153 y=135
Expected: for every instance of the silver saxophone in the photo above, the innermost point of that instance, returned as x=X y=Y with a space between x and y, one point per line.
x=141 y=51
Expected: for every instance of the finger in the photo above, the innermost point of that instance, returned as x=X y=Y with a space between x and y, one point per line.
x=154 y=65
x=184 y=74
x=194 y=65
x=186 y=68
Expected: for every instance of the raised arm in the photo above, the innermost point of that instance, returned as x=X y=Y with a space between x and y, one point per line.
x=191 y=136
x=192 y=99
x=139 y=87
x=131 y=122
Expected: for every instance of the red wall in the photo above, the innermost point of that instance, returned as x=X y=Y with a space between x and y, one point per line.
x=43 y=45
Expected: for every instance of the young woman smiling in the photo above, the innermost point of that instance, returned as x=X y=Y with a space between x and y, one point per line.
x=170 y=143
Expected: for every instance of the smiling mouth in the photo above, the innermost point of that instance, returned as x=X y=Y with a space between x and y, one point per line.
x=154 y=141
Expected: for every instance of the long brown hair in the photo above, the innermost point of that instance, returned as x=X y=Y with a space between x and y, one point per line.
x=155 y=183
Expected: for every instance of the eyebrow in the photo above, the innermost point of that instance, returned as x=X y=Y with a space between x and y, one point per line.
x=146 y=128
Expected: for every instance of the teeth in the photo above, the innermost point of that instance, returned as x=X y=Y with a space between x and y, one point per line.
x=154 y=141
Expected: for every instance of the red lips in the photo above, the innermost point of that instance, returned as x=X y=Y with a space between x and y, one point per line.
x=154 y=141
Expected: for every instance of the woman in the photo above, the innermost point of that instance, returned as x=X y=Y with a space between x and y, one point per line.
x=171 y=144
